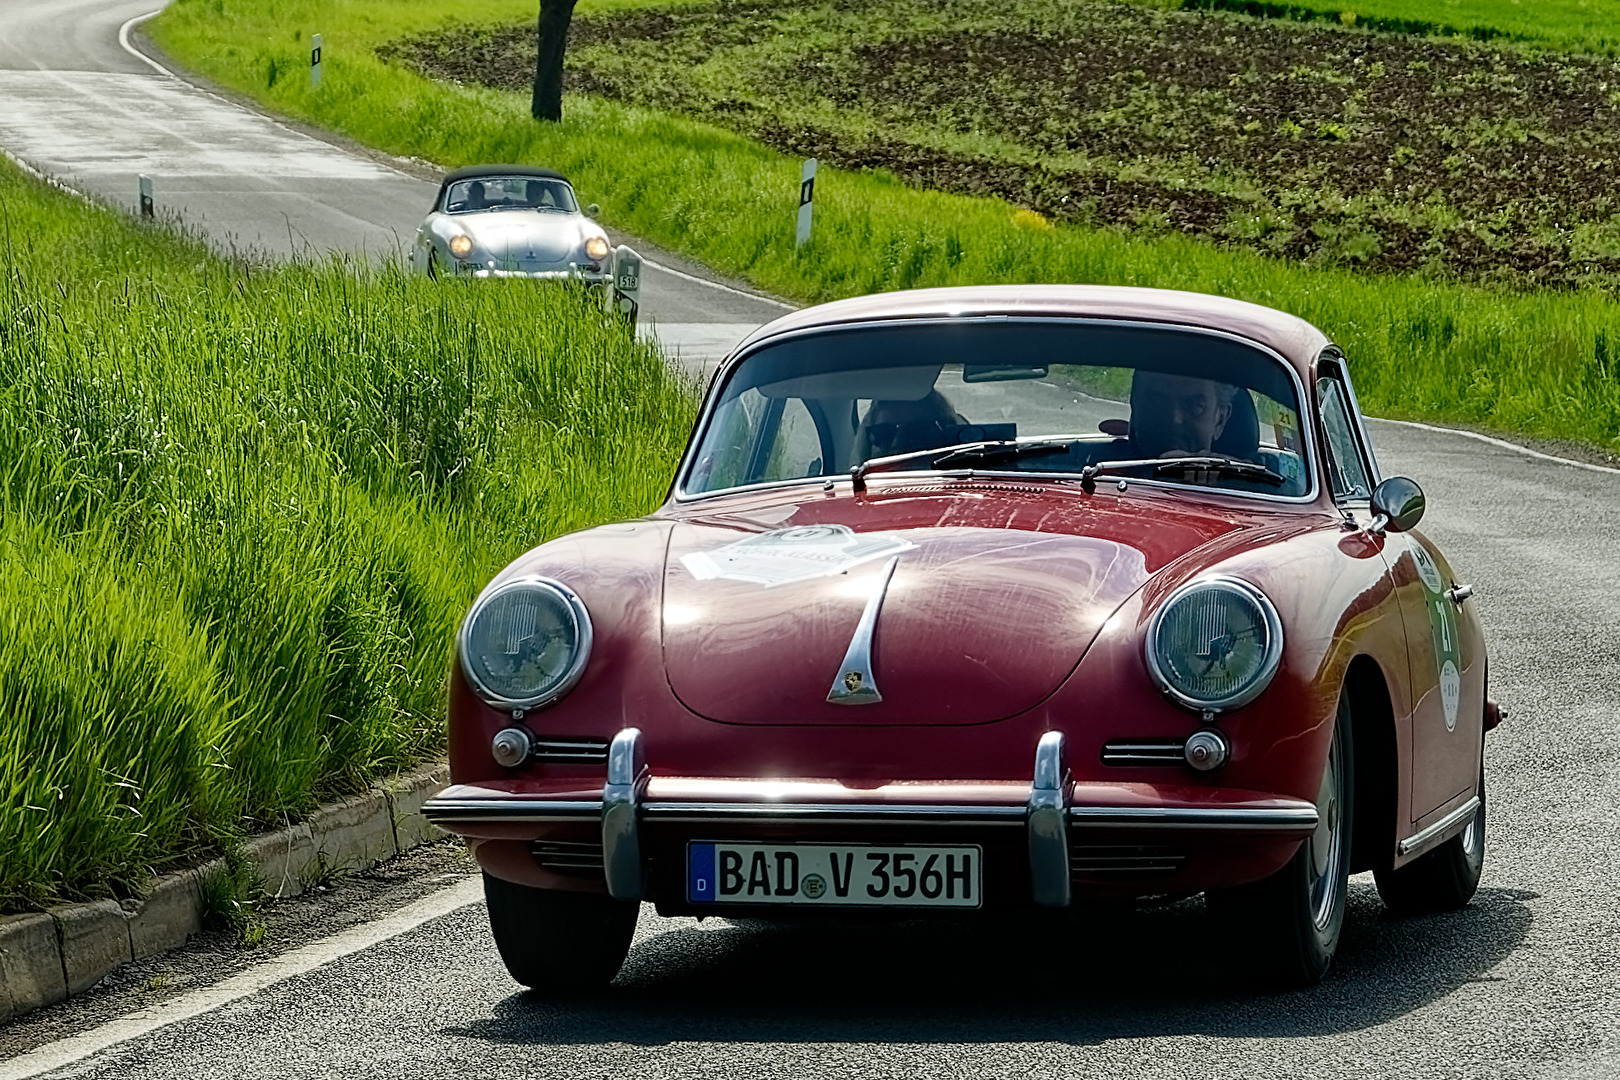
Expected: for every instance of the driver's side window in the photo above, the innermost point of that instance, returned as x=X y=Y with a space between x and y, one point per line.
x=1347 y=469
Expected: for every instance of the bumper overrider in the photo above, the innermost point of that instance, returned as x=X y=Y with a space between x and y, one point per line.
x=1051 y=810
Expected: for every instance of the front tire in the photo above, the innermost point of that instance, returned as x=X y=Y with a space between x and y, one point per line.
x=1443 y=880
x=559 y=942
x=1286 y=927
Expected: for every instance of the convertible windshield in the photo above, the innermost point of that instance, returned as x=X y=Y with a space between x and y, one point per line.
x=509 y=193
x=1162 y=404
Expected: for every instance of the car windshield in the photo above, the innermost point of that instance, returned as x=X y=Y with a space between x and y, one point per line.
x=822 y=404
x=509 y=193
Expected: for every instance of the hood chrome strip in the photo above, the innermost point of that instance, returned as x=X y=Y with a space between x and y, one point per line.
x=854 y=684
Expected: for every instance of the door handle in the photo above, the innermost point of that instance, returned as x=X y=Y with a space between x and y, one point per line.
x=1458 y=593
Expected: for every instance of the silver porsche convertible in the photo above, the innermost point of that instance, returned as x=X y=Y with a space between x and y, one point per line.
x=514 y=221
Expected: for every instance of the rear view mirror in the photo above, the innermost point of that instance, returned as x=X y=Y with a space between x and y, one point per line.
x=1002 y=372
x=592 y=210
x=1398 y=505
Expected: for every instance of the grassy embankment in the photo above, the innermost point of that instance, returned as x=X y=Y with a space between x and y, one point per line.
x=241 y=512
x=1541 y=364
x=1589 y=26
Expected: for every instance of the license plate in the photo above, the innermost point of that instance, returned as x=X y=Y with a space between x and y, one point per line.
x=833 y=875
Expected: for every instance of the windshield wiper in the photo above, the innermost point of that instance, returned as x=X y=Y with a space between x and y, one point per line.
x=1224 y=466
x=936 y=456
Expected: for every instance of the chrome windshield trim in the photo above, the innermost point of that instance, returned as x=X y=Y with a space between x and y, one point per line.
x=1279 y=819
x=1424 y=837
x=469 y=811
x=855 y=683
x=728 y=368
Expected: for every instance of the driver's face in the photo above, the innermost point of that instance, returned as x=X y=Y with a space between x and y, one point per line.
x=1177 y=414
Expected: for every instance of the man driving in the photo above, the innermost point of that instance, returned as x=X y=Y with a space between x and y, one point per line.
x=1176 y=415
x=539 y=195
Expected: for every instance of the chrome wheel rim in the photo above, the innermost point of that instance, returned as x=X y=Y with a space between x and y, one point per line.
x=1327 y=842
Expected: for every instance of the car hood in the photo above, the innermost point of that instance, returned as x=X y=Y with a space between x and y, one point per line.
x=991 y=604
x=524 y=237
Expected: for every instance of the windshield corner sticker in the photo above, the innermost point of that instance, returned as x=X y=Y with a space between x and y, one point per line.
x=1443 y=622
x=787 y=555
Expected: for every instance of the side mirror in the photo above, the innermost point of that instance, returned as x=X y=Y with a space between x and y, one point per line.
x=592 y=210
x=1397 y=504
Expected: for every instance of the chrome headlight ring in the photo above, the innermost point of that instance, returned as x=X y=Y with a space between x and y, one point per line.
x=525 y=643
x=1264 y=623
x=461 y=245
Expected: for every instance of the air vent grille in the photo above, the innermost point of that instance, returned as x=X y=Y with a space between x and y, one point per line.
x=1124 y=860
x=1127 y=752
x=568 y=751
x=567 y=856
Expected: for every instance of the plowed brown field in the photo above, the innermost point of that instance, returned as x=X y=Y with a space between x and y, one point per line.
x=1309 y=142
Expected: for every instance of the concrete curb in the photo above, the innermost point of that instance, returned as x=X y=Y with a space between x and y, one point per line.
x=50 y=956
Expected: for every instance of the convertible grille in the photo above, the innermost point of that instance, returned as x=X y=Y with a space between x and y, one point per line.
x=1124 y=860
x=1126 y=752
x=571 y=751
x=567 y=856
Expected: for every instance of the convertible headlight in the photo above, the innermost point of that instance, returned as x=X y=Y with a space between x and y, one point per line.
x=1214 y=644
x=597 y=248
x=461 y=245
x=525 y=644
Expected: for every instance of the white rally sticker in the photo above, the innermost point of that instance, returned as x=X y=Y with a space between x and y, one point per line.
x=1450 y=692
x=1443 y=623
x=797 y=554
x=1426 y=569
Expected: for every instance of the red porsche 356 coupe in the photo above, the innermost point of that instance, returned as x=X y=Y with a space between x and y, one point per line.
x=980 y=598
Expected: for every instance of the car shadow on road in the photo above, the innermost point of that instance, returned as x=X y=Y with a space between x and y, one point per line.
x=1083 y=977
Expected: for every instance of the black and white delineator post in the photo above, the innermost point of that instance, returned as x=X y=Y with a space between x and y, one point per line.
x=315 y=63
x=624 y=291
x=807 y=190
x=146 y=196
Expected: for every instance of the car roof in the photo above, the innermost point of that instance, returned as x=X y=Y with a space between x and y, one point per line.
x=1296 y=340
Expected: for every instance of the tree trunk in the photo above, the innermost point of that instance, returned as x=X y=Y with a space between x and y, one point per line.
x=555 y=15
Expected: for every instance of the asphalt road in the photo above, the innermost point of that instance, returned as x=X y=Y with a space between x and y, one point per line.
x=1524 y=982
x=80 y=103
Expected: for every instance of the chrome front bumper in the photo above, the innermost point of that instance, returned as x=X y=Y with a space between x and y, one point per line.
x=589 y=277
x=1048 y=814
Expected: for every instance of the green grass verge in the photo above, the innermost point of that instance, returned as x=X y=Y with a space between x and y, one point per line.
x=242 y=510
x=1589 y=26
x=1541 y=364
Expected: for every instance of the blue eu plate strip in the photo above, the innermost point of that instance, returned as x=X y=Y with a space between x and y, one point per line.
x=700 y=887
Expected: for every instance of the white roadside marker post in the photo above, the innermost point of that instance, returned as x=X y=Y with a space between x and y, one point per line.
x=315 y=63
x=624 y=288
x=807 y=188
x=146 y=196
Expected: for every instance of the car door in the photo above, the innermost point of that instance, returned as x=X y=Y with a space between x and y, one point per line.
x=1445 y=666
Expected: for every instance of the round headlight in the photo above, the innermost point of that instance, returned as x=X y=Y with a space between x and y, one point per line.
x=461 y=245
x=1214 y=644
x=597 y=248
x=525 y=644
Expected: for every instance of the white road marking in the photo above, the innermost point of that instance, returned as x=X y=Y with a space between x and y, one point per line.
x=1503 y=443
x=277 y=969
x=124 y=43
x=672 y=272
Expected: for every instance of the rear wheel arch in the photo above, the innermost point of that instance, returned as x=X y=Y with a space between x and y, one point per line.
x=1372 y=836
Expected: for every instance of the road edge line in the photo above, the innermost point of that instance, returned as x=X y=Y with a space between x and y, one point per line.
x=92 y=940
x=1501 y=443
x=133 y=1025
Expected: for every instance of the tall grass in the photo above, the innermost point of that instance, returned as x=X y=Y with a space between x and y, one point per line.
x=1541 y=364
x=241 y=511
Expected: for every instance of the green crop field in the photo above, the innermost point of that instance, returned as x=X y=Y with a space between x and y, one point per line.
x=1535 y=362
x=242 y=511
